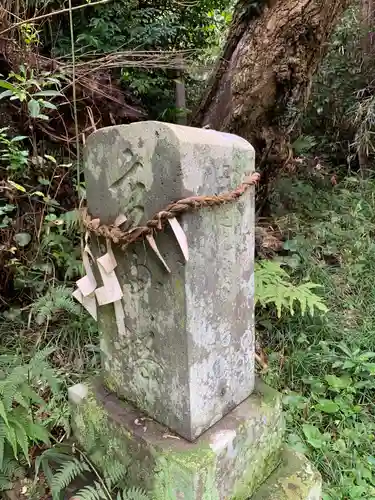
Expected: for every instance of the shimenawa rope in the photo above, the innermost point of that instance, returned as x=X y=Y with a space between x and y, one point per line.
x=158 y=221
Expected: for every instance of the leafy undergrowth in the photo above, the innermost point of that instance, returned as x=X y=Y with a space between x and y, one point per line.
x=325 y=365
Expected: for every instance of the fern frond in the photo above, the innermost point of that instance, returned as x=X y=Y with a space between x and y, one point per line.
x=133 y=494
x=37 y=432
x=273 y=286
x=10 y=436
x=303 y=144
x=11 y=468
x=33 y=397
x=55 y=455
x=20 y=400
x=40 y=356
x=21 y=437
x=92 y=493
x=54 y=301
x=9 y=360
x=114 y=471
x=40 y=370
x=10 y=386
x=5 y=483
x=66 y=474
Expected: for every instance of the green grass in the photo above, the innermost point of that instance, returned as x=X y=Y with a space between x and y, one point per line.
x=325 y=365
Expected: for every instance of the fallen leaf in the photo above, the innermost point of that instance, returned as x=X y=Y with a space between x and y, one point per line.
x=170 y=436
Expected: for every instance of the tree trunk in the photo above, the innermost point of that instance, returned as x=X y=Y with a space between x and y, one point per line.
x=367 y=45
x=264 y=77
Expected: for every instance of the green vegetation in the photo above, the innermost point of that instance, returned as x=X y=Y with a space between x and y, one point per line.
x=325 y=365
x=108 y=484
x=315 y=295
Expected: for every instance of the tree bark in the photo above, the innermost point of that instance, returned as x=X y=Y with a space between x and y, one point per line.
x=367 y=45
x=264 y=76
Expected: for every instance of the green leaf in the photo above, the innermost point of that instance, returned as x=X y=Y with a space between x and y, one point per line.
x=22 y=239
x=22 y=439
x=9 y=86
x=17 y=186
x=50 y=158
x=11 y=438
x=38 y=432
x=44 y=182
x=1 y=452
x=34 y=108
x=313 y=436
x=18 y=138
x=295 y=442
x=3 y=413
x=6 y=93
x=47 y=93
x=327 y=406
x=337 y=383
x=54 y=80
x=49 y=105
x=346 y=365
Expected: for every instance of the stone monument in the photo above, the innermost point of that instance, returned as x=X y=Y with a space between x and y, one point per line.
x=178 y=405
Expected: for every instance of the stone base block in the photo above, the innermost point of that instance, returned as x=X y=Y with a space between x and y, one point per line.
x=229 y=461
x=294 y=479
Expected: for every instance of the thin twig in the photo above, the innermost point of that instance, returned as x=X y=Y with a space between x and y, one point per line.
x=260 y=361
x=53 y=13
x=75 y=108
x=74 y=85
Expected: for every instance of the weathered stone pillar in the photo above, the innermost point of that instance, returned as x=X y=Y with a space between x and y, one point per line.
x=177 y=341
x=186 y=353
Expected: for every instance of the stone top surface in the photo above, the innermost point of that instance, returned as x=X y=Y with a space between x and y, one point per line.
x=120 y=163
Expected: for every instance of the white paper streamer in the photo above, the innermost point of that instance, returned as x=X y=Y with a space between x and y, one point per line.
x=87 y=284
x=180 y=236
x=111 y=290
x=154 y=246
x=88 y=302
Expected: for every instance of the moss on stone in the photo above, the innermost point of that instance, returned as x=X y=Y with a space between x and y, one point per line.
x=294 y=479
x=97 y=435
x=173 y=468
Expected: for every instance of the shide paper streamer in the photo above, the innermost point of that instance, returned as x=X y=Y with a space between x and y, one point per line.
x=90 y=296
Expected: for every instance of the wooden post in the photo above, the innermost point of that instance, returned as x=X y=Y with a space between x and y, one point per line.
x=181 y=93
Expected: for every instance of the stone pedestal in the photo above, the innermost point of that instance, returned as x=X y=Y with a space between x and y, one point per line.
x=239 y=458
x=293 y=479
x=230 y=460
